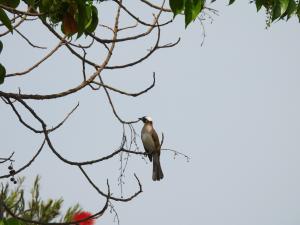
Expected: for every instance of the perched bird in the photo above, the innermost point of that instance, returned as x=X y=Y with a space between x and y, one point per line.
x=152 y=146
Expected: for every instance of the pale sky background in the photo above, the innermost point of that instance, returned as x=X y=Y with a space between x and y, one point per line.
x=232 y=105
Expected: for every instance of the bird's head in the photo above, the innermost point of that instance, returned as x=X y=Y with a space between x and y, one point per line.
x=146 y=119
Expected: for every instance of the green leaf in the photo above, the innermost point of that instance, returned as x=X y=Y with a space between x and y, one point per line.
x=177 y=6
x=284 y=5
x=31 y=2
x=259 y=4
x=44 y=5
x=231 y=1
x=188 y=12
x=198 y=5
x=2 y=222
x=276 y=12
x=89 y=16
x=10 y=3
x=93 y=25
x=2 y=73
x=12 y=221
x=81 y=17
x=298 y=11
x=5 y=20
x=291 y=9
x=1 y=46
x=279 y=8
x=192 y=8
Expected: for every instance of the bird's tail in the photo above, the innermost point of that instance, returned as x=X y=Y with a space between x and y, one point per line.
x=157 y=172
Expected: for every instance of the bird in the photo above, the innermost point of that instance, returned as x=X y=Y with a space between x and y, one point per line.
x=152 y=146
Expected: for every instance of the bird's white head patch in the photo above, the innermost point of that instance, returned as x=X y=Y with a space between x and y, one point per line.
x=148 y=118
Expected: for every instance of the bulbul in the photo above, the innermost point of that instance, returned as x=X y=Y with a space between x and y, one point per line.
x=152 y=146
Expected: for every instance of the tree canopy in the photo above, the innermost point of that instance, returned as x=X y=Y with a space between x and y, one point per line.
x=276 y=9
x=35 y=208
x=81 y=16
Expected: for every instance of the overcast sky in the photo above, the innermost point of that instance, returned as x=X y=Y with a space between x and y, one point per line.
x=232 y=105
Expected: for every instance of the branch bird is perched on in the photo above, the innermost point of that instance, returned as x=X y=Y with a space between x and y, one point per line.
x=152 y=146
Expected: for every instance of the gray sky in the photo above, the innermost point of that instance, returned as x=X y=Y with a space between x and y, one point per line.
x=232 y=105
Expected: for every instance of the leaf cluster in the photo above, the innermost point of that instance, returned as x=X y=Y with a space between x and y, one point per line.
x=10 y=221
x=277 y=9
x=6 y=22
x=3 y=16
x=35 y=209
x=75 y=16
x=190 y=8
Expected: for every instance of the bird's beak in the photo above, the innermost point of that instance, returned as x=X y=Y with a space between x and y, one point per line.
x=141 y=118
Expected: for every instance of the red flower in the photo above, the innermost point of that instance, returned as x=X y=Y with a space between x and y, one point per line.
x=82 y=215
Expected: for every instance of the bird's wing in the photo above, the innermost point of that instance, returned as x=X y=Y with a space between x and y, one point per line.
x=149 y=144
x=149 y=154
x=156 y=140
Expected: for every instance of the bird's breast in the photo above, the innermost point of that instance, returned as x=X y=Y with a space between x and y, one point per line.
x=148 y=141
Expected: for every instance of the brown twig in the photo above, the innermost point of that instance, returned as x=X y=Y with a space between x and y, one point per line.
x=28 y=41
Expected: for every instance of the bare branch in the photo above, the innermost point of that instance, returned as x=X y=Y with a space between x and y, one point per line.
x=28 y=41
x=27 y=164
x=127 y=93
x=111 y=197
x=38 y=63
x=155 y=6
x=4 y=160
x=136 y=18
